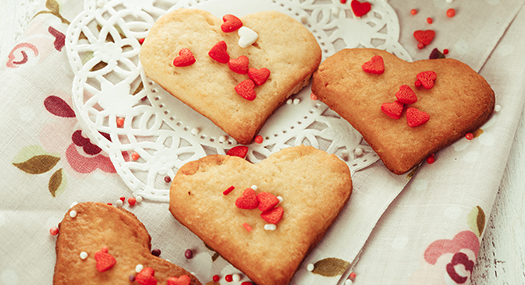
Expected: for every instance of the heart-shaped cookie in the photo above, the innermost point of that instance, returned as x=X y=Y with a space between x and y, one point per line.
x=314 y=187
x=102 y=244
x=459 y=101
x=283 y=46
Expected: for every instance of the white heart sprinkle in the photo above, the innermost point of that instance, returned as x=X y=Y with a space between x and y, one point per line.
x=246 y=37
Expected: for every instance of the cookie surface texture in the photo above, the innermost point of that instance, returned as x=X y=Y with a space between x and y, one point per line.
x=98 y=227
x=314 y=187
x=460 y=101
x=284 y=46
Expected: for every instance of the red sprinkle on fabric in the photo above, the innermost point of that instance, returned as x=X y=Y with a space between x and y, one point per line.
x=141 y=41
x=429 y=20
x=216 y=278
x=219 y=52
x=273 y=216
x=228 y=278
x=167 y=179
x=430 y=159
x=393 y=110
x=469 y=136
x=343 y=1
x=239 y=151
x=352 y=275
x=259 y=139
x=406 y=95
x=266 y=201
x=313 y=96
x=245 y=89
x=360 y=8
x=413 y=12
x=146 y=277
x=185 y=58
x=231 y=23
x=416 y=117
x=239 y=65
x=420 y=45
x=182 y=280
x=417 y=83
x=227 y=191
x=122 y=199
x=247 y=227
x=132 y=201
x=53 y=231
x=120 y=122
x=259 y=76
x=451 y=13
x=445 y=51
x=104 y=260
x=375 y=66
x=246 y=283
x=424 y=37
x=427 y=78
x=135 y=156
x=248 y=200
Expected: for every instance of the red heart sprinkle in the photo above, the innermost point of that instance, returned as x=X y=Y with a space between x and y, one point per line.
x=273 y=216
x=266 y=201
x=375 y=65
x=416 y=118
x=259 y=76
x=145 y=277
x=424 y=37
x=239 y=65
x=360 y=9
x=104 y=260
x=393 y=110
x=406 y=95
x=245 y=89
x=218 y=52
x=248 y=200
x=427 y=78
x=183 y=280
x=231 y=23
x=239 y=151
x=185 y=58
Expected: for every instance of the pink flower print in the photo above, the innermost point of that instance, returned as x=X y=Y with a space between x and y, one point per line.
x=21 y=54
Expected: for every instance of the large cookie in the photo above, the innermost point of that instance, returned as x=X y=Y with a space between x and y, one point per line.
x=102 y=244
x=283 y=46
x=314 y=187
x=452 y=100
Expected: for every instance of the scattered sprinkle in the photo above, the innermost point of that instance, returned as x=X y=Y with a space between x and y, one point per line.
x=195 y=131
x=266 y=201
x=73 y=205
x=132 y=201
x=352 y=275
x=188 y=254
x=427 y=78
x=254 y=187
x=216 y=278
x=53 y=231
x=424 y=37
x=248 y=200
x=259 y=76
x=280 y=199
x=451 y=13
x=139 y=199
x=135 y=156
x=258 y=139
x=156 y=252
x=239 y=151
x=167 y=179
x=270 y=227
x=413 y=12
x=469 y=136
x=246 y=89
x=122 y=199
x=222 y=139
x=273 y=216
x=83 y=255
x=289 y=101
x=247 y=227
x=296 y=101
x=375 y=66
x=345 y=154
x=348 y=282
x=310 y=267
x=120 y=122
x=343 y=1
x=358 y=151
x=416 y=117
x=131 y=278
x=497 y=108
x=449 y=1
x=231 y=23
x=184 y=59
x=431 y=159
x=420 y=45
x=445 y=51
x=219 y=52
x=119 y=203
x=239 y=65
x=247 y=37
x=104 y=260
x=73 y=213
x=313 y=96
x=139 y=268
x=228 y=278
x=360 y=8
x=429 y=20
x=236 y=277
x=141 y=41
x=227 y=191
x=246 y=283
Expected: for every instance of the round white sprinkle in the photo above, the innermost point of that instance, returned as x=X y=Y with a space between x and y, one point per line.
x=139 y=268
x=280 y=199
x=270 y=227
x=83 y=255
x=222 y=139
x=296 y=101
x=195 y=131
x=289 y=101
x=304 y=19
x=119 y=203
x=335 y=11
x=139 y=199
x=100 y=3
x=345 y=154
x=449 y=1
x=236 y=277
x=310 y=267
x=254 y=187
x=348 y=282
x=497 y=108
x=73 y=205
x=73 y=214
x=358 y=151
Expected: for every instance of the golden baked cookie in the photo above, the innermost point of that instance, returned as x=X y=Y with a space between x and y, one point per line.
x=266 y=239
x=375 y=91
x=184 y=53
x=101 y=244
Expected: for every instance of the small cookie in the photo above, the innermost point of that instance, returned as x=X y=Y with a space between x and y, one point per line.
x=282 y=59
x=450 y=100
x=267 y=246
x=102 y=244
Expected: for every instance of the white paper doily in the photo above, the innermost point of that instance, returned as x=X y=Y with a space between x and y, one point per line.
x=110 y=86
